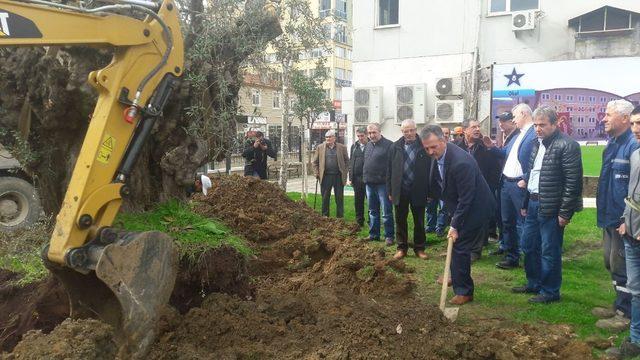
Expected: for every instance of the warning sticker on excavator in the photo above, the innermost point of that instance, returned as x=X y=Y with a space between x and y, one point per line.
x=106 y=148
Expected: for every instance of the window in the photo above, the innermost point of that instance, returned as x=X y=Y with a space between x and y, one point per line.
x=316 y=53
x=592 y=99
x=340 y=52
x=569 y=97
x=546 y=96
x=569 y=108
x=341 y=9
x=347 y=54
x=340 y=73
x=274 y=132
x=325 y=8
x=276 y=99
x=592 y=120
x=255 y=97
x=338 y=93
x=557 y=97
x=387 y=12
x=581 y=98
x=604 y=19
x=603 y=99
x=340 y=34
x=497 y=7
x=349 y=74
x=326 y=31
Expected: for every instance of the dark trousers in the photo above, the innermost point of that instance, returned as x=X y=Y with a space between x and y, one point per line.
x=359 y=194
x=511 y=200
x=461 y=259
x=614 y=262
x=481 y=239
x=437 y=218
x=542 y=239
x=402 y=227
x=332 y=181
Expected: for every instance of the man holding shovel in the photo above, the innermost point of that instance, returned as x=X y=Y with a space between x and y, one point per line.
x=456 y=180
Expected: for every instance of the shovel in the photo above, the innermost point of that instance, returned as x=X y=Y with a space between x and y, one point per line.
x=452 y=312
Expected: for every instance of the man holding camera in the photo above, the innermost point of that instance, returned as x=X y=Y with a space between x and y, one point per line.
x=255 y=154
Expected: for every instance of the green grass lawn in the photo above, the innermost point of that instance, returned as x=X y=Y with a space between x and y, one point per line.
x=586 y=283
x=592 y=159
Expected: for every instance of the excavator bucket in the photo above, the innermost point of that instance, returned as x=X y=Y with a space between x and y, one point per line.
x=133 y=278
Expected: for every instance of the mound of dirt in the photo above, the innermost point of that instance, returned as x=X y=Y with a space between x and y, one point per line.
x=317 y=292
x=71 y=340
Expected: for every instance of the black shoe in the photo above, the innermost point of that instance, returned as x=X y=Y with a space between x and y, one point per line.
x=629 y=349
x=542 y=299
x=523 y=290
x=496 y=252
x=507 y=265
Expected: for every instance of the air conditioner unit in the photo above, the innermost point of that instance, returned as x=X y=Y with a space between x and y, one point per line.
x=367 y=105
x=410 y=103
x=449 y=86
x=523 y=20
x=449 y=111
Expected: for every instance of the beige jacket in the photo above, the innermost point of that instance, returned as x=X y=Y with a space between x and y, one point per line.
x=343 y=161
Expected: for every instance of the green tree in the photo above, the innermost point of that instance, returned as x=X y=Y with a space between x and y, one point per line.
x=310 y=102
x=302 y=31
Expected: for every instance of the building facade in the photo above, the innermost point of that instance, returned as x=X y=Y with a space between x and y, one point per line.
x=433 y=62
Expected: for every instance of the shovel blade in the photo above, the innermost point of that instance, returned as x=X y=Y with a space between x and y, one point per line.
x=133 y=279
x=451 y=313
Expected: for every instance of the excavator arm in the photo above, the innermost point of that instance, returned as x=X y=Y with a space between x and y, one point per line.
x=119 y=277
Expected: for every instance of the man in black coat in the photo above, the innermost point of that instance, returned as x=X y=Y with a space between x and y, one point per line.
x=255 y=154
x=490 y=166
x=407 y=187
x=554 y=195
x=456 y=179
x=356 y=165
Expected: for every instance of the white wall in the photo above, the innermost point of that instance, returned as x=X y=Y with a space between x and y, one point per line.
x=426 y=28
x=390 y=73
x=551 y=40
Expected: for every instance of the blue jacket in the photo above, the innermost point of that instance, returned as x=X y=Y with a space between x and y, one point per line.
x=524 y=151
x=614 y=179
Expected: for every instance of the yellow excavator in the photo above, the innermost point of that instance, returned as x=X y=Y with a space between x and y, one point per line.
x=120 y=277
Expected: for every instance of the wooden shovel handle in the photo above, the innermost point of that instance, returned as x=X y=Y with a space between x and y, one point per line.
x=445 y=274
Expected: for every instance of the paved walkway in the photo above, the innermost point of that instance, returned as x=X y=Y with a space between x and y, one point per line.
x=295 y=185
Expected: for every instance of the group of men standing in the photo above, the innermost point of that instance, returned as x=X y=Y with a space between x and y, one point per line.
x=529 y=188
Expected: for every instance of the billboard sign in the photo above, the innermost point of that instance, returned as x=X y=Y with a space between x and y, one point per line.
x=578 y=89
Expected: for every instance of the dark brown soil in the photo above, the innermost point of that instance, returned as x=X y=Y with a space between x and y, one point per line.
x=39 y=306
x=320 y=293
x=218 y=270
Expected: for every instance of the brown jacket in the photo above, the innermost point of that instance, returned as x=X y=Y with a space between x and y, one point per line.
x=343 y=161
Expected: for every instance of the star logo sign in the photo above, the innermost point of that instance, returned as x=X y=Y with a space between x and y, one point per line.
x=514 y=77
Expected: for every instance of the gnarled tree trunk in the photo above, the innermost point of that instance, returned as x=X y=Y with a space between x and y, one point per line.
x=53 y=85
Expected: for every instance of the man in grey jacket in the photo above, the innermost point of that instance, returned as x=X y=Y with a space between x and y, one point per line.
x=630 y=230
x=376 y=161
